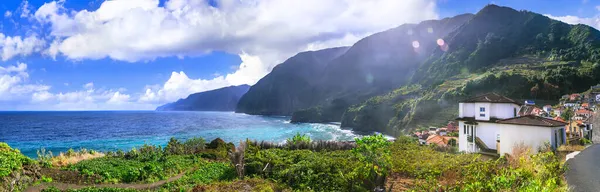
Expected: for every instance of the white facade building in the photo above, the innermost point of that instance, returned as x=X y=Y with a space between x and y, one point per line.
x=497 y=128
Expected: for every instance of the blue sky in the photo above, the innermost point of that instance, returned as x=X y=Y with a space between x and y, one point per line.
x=138 y=54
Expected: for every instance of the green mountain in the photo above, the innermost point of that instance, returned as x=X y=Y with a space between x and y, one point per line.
x=223 y=99
x=519 y=54
x=323 y=84
x=389 y=83
x=290 y=86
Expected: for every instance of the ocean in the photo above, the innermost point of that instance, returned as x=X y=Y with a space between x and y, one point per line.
x=113 y=130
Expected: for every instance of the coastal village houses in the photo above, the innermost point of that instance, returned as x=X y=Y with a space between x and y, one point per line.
x=491 y=123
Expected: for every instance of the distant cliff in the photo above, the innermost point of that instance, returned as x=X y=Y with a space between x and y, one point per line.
x=223 y=99
x=290 y=86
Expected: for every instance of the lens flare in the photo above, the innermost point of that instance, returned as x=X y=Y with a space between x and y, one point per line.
x=440 y=42
x=409 y=32
x=415 y=44
x=369 y=78
x=429 y=30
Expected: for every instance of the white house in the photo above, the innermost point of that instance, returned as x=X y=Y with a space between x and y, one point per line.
x=493 y=121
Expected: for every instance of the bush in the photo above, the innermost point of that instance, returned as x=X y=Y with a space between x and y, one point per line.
x=45 y=157
x=174 y=147
x=373 y=152
x=440 y=171
x=11 y=160
x=91 y=189
x=142 y=168
x=205 y=174
x=194 y=145
x=585 y=141
x=305 y=170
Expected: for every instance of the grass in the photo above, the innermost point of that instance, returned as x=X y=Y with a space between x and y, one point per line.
x=120 y=169
x=71 y=157
x=570 y=148
x=408 y=165
x=11 y=160
x=440 y=171
x=205 y=174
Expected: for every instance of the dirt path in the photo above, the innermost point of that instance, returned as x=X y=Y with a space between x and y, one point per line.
x=65 y=186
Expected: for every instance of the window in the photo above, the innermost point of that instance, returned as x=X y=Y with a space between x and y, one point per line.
x=482 y=109
x=482 y=114
x=514 y=112
x=465 y=129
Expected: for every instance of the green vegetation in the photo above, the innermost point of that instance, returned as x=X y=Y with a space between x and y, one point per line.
x=135 y=169
x=204 y=174
x=11 y=160
x=440 y=171
x=373 y=153
x=372 y=163
x=91 y=189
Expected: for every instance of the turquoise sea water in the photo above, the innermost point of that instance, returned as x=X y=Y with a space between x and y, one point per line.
x=112 y=130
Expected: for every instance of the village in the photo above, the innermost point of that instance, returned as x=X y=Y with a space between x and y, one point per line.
x=492 y=117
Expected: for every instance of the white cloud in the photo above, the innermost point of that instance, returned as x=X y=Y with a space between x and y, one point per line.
x=24 y=8
x=17 y=46
x=7 y=14
x=119 y=98
x=263 y=33
x=89 y=85
x=14 y=83
x=573 y=20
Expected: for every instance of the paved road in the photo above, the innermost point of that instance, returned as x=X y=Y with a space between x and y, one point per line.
x=584 y=170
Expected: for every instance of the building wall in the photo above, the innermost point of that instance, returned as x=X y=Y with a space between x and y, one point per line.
x=532 y=136
x=503 y=110
x=467 y=109
x=510 y=135
x=462 y=137
x=487 y=133
x=486 y=114
x=496 y=110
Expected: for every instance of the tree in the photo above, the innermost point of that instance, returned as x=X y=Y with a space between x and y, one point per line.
x=452 y=142
x=374 y=154
x=567 y=114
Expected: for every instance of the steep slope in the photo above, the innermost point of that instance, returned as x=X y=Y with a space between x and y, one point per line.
x=333 y=79
x=375 y=65
x=223 y=99
x=289 y=86
x=519 y=54
x=496 y=33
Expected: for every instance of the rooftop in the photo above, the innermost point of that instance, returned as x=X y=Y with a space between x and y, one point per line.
x=490 y=98
x=531 y=120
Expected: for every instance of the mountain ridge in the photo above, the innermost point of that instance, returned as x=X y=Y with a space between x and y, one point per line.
x=222 y=99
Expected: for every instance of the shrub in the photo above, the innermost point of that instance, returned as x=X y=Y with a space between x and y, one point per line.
x=44 y=157
x=206 y=173
x=374 y=154
x=305 y=170
x=194 y=145
x=585 y=141
x=174 y=147
x=11 y=160
x=298 y=140
x=253 y=184
x=118 y=169
x=91 y=189
x=70 y=152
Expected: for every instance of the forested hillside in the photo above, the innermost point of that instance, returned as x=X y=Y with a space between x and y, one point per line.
x=519 y=54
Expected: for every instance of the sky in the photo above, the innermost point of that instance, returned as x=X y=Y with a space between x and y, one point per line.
x=139 y=54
